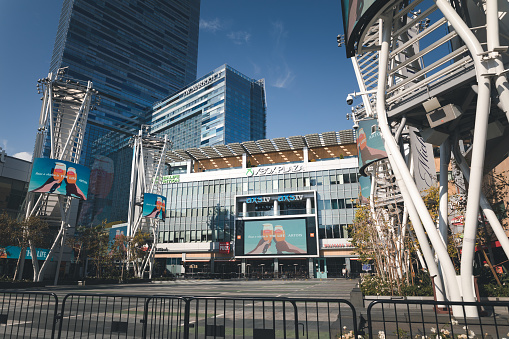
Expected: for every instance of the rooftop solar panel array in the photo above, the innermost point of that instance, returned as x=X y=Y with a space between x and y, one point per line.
x=264 y=146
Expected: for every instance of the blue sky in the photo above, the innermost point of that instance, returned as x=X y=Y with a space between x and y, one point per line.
x=289 y=43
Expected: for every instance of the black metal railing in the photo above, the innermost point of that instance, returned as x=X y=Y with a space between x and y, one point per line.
x=437 y=319
x=28 y=315
x=39 y=315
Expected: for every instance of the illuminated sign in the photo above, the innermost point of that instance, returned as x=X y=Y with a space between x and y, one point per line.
x=224 y=247
x=257 y=200
x=290 y=197
x=258 y=171
x=168 y=179
x=200 y=84
x=280 y=198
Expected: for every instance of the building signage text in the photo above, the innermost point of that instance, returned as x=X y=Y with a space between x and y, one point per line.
x=224 y=247
x=338 y=245
x=280 y=198
x=290 y=197
x=258 y=171
x=202 y=83
x=257 y=200
x=169 y=179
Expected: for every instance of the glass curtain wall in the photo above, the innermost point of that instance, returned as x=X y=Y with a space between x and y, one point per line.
x=203 y=211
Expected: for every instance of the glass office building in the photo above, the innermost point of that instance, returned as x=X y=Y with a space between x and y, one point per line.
x=135 y=53
x=222 y=107
x=271 y=207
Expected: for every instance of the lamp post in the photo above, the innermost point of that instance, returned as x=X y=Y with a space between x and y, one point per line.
x=295 y=267
x=262 y=269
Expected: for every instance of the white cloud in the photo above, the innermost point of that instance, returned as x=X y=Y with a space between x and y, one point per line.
x=282 y=73
x=239 y=37
x=23 y=156
x=284 y=79
x=211 y=26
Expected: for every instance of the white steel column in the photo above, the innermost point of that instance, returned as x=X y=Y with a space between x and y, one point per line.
x=478 y=151
x=392 y=148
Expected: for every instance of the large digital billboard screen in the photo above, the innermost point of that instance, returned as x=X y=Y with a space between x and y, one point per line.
x=59 y=177
x=154 y=206
x=275 y=237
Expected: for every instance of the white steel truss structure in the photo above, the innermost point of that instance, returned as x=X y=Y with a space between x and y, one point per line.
x=434 y=54
x=149 y=159
x=62 y=123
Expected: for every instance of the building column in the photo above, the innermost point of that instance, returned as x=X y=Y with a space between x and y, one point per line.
x=243 y=268
x=244 y=160
x=189 y=166
x=311 y=268
x=348 y=266
x=305 y=151
x=244 y=209
x=276 y=207
x=308 y=206
x=276 y=267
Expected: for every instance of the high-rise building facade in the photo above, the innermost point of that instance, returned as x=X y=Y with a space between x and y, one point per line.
x=263 y=208
x=135 y=52
x=222 y=107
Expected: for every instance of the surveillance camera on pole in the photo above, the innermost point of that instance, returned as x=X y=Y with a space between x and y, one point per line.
x=351 y=96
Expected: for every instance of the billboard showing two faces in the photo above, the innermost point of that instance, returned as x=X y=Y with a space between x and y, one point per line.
x=154 y=206
x=59 y=177
x=275 y=237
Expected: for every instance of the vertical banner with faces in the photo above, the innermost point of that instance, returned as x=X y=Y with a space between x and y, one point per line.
x=154 y=206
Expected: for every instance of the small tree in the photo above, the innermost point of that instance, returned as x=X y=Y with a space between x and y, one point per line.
x=138 y=251
x=32 y=231
x=93 y=244
x=118 y=252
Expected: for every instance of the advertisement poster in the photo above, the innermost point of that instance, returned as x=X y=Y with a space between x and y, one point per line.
x=13 y=252
x=370 y=144
x=269 y=237
x=154 y=206
x=59 y=177
x=425 y=173
x=365 y=194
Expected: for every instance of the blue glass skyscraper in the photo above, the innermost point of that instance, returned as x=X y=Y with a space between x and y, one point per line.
x=222 y=107
x=135 y=52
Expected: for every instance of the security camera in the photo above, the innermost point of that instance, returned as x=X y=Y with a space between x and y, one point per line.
x=349 y=99
x=355 y=126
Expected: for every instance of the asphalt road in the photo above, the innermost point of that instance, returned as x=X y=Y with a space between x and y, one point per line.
x=121 y=311
x=312 y=288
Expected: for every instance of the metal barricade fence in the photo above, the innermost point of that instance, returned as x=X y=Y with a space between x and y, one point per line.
x=102 y=316
x=239 y=317
x=28 y=314
x=35 y=315
x=165 y=317
x=435 y=319
x=326 y=318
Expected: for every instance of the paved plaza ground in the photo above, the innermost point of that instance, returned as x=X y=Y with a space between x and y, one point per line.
x=311 y=288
